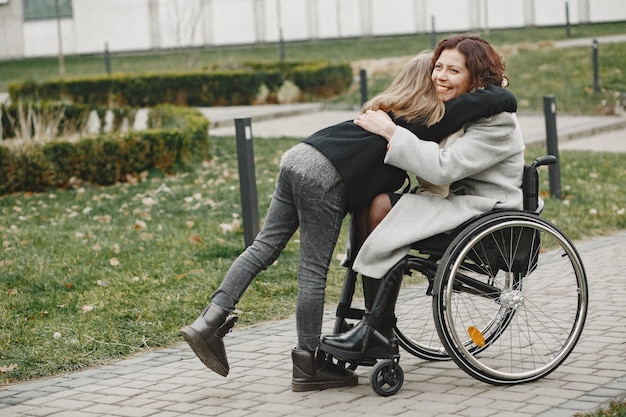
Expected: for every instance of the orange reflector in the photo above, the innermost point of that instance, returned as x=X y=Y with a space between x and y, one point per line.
x=476 y=336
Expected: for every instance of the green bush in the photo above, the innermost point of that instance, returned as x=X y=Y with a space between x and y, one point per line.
x=177 y=136
x=200 y=88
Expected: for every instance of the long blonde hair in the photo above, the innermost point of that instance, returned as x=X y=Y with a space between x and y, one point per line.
x=411 y=96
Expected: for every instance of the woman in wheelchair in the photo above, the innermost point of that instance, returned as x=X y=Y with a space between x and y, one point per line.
x=335 y=170
x=483 y=167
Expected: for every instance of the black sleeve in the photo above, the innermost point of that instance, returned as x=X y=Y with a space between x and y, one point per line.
x=464 y=109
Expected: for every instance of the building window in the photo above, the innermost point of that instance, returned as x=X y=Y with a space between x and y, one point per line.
x=47 y=9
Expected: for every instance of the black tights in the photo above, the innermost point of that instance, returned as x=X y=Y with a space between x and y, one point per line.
x=369 y=217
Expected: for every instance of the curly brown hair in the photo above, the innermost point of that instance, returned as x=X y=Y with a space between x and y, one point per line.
x=485 y=65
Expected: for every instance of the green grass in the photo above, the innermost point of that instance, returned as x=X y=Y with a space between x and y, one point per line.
x=82 y=264
x=616 y=408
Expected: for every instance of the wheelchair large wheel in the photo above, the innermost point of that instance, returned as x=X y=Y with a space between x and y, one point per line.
x=510 y=298
x=415 y=327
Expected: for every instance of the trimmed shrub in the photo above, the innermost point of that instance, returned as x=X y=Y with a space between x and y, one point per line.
x=176 y=137
x=218 y=88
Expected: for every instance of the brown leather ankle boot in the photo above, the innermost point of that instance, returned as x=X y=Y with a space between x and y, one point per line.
x=311 y=371
x=205 y=337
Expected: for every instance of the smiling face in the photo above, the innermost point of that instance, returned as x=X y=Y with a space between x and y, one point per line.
x=451 y=76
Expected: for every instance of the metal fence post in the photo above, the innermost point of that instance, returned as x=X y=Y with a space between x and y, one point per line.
x=107 y=58
x=549 y=111
x=247 y=179
x=567 y=24
x=433 y=33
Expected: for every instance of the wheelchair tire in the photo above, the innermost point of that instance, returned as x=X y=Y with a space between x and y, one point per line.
x=510 y=298
x=386 y=378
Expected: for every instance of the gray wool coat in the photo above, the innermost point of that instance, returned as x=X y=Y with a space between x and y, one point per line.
x=484 y=168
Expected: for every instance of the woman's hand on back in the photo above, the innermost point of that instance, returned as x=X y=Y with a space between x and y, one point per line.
x=377 y=122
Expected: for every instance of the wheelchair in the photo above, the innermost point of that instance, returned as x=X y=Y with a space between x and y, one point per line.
x=504 y=296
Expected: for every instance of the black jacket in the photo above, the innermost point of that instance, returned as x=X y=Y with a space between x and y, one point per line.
x=358 y=155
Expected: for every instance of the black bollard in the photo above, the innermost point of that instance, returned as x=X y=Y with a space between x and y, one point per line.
x=549 y=111
x=596 y=81
x=363 y=78
x=247 y=180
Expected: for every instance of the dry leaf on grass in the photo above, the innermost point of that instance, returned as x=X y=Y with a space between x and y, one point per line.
x=5 y=369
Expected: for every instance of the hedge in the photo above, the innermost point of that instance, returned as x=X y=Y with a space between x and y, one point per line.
x=201 y=88
x=176 y=136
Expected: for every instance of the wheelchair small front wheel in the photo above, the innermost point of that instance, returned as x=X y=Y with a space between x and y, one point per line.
x=387 y=378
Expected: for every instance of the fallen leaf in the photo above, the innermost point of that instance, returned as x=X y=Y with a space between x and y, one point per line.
x=5 y=369
x=194 y=238
x=114 y=262
x=148 y=201
x=140 y=225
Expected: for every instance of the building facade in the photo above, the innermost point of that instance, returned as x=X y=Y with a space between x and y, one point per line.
x=33 y=28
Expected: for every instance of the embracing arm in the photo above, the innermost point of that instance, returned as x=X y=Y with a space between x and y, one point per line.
x=464 y=109
x=483 y=144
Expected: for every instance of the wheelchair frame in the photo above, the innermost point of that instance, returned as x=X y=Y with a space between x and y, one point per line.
x=504 y=296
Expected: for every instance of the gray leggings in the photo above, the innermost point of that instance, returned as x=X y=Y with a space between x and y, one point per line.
x=297 y=202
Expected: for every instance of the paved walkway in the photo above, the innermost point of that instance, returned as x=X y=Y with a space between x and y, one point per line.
x=173 y=383
x=600 y=133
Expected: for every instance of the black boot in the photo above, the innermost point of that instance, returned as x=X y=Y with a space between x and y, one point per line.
x=311 y=372
x=205 y=337
x=356 y=335
x=353 y=344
